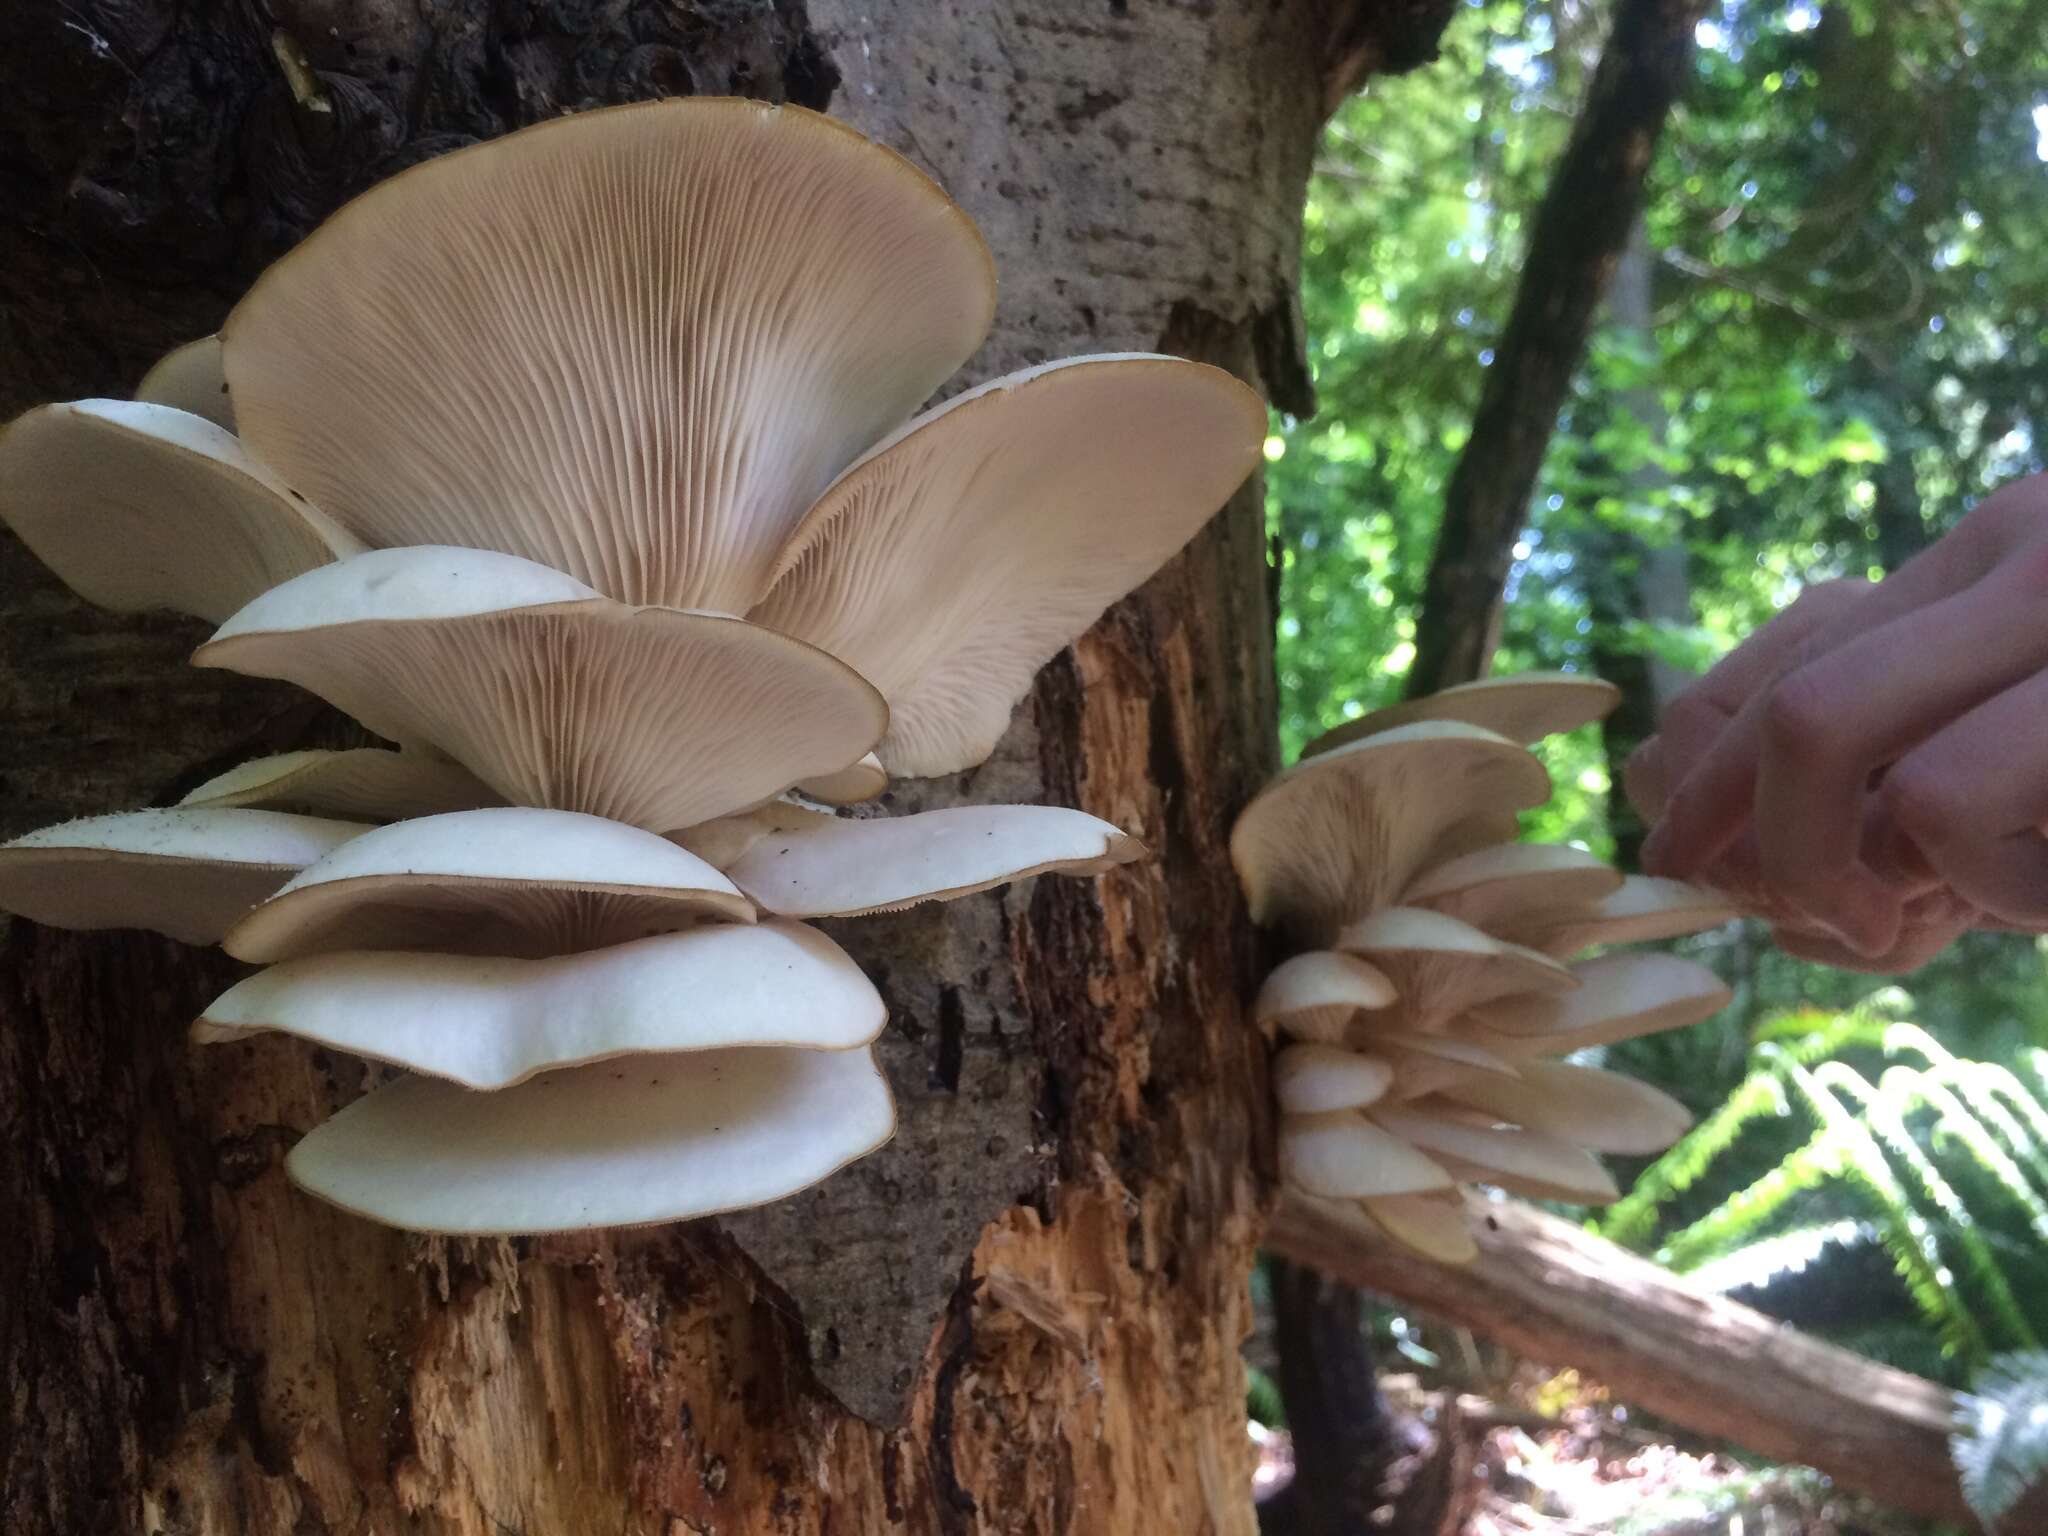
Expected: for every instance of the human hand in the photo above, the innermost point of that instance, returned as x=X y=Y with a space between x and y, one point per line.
x=1870 y=770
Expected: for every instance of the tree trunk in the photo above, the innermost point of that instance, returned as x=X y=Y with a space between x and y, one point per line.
x=1035 y=1297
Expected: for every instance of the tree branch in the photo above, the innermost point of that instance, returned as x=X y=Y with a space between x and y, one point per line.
x=1556 y=1293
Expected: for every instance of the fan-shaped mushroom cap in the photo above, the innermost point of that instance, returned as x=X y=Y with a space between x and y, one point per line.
x=1315 y=996
x=191 y=378
x=1603 y=1111
x=553 y=695
x=364 y=783
x=1315 y=1079
x=621 y=1143
x=1519 y=1013
x=1621 y=996
x=1524 y=708
x=1644 y=909
x=1342 y=834
x=493 y=1022
x=839 y=867
x=852 y=785
x=1424 y=1063
x=188 y=874
x=1345 y=1156
x=1504 y=887
x=1441 y=967
x=508 y=881
x=632 y=344
x=962 y=554
x=139 y=506
x=1521 y=1161
x=1435 y=1226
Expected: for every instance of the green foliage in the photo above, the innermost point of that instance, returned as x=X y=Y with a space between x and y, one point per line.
x=2001 y=1437
x=1938 y=1157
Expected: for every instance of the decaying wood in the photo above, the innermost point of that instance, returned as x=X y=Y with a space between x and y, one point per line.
x=1043 y=1281
x=1553 y=1292
x=1578 y=236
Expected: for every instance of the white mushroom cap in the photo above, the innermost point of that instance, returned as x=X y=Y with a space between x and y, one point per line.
x=854 y=784
x=507 y=881
x=1314 y=1079
x=1600 y=1110
x=492 y=1022
x=139 y=506
x=968 y=549
x=826 y=866
x=627 y=1142
x=1503 y=889
x=1343 y=1155
x=364 y=783
x=188 y=874
x=634 y=344
x=553 y=695
x=1620 y=996
x=1643 y=910
x=191 y=378
x=1340 y=835
x=1424 y=1063
x=1520 y=1161
x=1316 y=996
x=1441 y=967
x=1436 y=1226
x=1524 y=708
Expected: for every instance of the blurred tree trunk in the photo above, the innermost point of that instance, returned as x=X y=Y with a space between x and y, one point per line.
x=1036 y=1296
x=1592 y=203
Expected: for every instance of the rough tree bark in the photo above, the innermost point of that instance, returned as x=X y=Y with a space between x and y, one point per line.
x=1037 y=1295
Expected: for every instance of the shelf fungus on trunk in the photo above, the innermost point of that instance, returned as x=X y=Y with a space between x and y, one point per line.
x=576 y=466
x=1421 y=1025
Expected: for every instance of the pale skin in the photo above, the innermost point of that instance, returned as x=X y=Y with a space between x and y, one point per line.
x=1870 y=769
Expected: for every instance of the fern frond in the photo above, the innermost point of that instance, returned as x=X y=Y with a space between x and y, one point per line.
x=1909 y=1088
x=1738 y=1221
x=2001 y=1435
x=1906 y=1235
x=1633 y=1219
x=1887 y=1125
x=1782 y=1253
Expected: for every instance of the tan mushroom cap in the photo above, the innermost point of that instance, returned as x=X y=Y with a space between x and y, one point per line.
x=363 y=784
x=1424 y=1063
x=1521 y=1161
x=1311 y=1079
x=634 y=344
x=1524 y=708
x=1344 y=1156
x=971 y=547
x=1316 y=996
x=1340 y=835
x=1441 y=967
x=1505 y=888
x=627 y=1142
x=1436 y=1226
x=855 y=784
x=508 y=881
x=139 y=506
x=841 y=867
x=191 y=378
x=489 y=1023
x=1643 y=910
x=187 y=874
x=1621 y=996
x=553 y=695
x=1600 y=1110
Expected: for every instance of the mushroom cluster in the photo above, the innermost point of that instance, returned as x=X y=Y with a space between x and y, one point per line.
x=1434 y=988
x=570 y=464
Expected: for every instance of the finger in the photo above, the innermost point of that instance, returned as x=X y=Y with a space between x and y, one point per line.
x=1713 y=796
x=1643 y=779
x=1824 y=730
x=1972 y=798
x=1916 y=945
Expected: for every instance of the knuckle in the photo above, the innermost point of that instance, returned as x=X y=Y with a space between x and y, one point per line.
x=1922 y=803
x=1795 y=720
